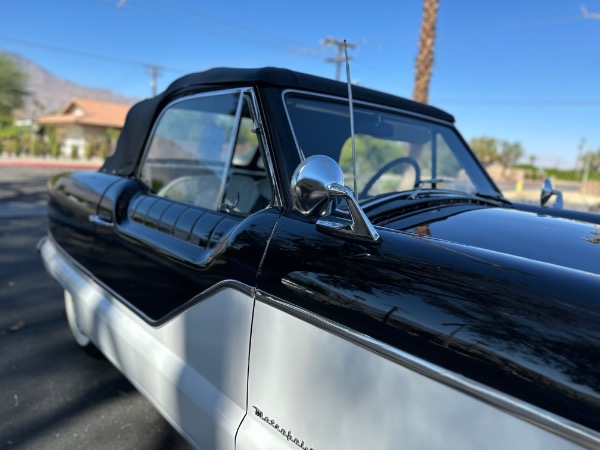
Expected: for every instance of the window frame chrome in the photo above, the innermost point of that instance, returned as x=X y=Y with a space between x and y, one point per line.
x=260 y=131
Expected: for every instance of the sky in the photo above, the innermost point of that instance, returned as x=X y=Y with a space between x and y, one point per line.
x=514 y=70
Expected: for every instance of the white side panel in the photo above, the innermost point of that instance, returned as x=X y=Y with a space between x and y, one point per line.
x=330 y=393
x=193 y=368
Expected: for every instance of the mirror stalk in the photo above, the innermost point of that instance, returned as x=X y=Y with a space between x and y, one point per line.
x=548 y=191
x=361 y=225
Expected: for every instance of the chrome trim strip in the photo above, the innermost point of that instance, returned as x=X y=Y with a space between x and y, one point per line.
x=289 y=119
x=356 y=102
x=70 y=274
x=255 y=112
x=565 y=428
x=232 y=139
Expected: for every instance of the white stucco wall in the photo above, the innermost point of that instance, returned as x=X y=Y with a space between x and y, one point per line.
x=77 y=135
x=73 y=135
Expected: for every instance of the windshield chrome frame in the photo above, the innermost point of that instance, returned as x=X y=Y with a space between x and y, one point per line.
x=403 y=112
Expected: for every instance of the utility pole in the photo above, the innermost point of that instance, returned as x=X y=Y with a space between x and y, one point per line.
x=154 y=73
x=339 y=58
x=580 y=160
x=586 y=169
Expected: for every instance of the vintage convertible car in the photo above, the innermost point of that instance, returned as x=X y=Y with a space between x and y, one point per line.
x=265 y=288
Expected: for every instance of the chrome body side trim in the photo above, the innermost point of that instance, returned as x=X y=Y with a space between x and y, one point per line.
x=510 y=405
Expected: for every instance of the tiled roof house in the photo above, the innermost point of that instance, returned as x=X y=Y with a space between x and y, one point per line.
x=82 y=121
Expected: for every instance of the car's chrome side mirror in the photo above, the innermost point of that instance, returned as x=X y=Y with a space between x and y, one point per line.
x=316 y=182
x=548 y=191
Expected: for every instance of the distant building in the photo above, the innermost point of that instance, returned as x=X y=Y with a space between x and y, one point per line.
x=84 y=121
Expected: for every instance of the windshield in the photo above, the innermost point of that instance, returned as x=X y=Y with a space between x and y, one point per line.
x=394 y=152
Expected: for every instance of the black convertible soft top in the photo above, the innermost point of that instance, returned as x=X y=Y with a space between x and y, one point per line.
x=141 y=116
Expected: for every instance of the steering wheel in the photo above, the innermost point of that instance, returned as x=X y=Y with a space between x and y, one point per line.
x=388 y=166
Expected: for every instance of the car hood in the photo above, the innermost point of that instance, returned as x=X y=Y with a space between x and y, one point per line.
x=538 y=237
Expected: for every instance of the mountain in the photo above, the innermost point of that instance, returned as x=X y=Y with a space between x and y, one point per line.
x=48 y=93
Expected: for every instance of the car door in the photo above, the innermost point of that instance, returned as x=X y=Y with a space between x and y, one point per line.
x=179 y=247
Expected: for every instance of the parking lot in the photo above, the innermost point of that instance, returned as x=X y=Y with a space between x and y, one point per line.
x=52 y=395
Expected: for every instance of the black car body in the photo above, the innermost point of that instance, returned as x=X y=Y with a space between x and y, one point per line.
x=218 y=260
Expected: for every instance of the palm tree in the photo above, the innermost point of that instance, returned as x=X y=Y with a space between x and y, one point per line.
x=425 y=56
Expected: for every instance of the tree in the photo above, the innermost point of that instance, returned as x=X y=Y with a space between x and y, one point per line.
x=12 y=88
x=424 y=64
x=532 y=160
x=510 y=153
x=486 y=149
x=491 y=150
x=591 y=159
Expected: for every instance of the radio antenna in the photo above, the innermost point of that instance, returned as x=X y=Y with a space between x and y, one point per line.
x=351 y=117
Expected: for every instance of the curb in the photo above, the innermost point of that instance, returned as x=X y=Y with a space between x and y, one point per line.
x=58 y=164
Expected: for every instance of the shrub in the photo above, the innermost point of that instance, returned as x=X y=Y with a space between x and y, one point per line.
x=53 y=144
x=54 y=149
x=34 y=146
x=103 y=151
x=89 y=151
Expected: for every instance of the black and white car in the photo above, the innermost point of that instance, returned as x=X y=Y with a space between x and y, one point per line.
x=265 y=291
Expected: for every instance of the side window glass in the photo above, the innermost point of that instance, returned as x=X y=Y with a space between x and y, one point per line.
x=188 y=153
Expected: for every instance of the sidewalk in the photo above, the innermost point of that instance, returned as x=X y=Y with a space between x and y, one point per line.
x=58 y=163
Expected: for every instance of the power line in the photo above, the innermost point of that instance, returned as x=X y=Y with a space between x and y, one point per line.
x=187 y=11
x=68 y=51
x=176 y=13
x=154 y=69
x=181 y=15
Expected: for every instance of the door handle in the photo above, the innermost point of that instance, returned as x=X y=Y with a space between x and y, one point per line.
x=100 y=220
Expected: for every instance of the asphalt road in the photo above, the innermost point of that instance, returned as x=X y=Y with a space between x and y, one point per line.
x=52 y=394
